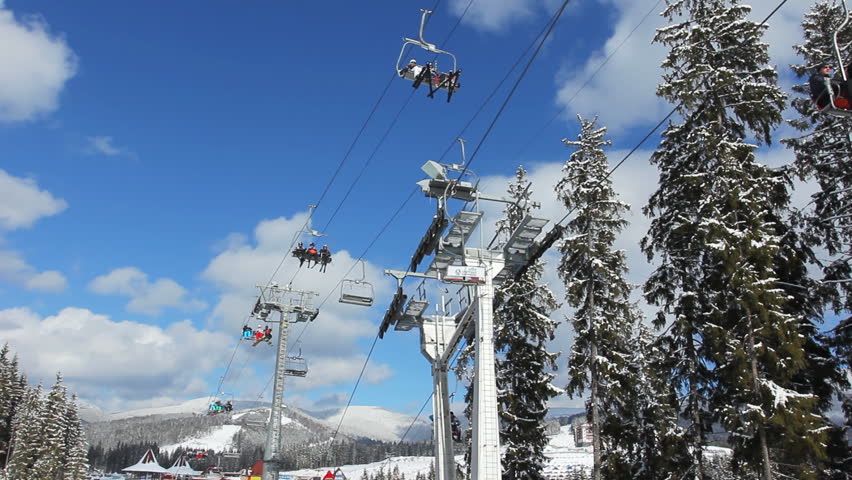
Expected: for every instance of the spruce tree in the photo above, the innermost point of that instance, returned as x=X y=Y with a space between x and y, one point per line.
x=822 y=155
x=11 y=392
x=717 y=235
x=27 y=436
x=593 y=272
x=52 y=451
x=75 y=459
x=523 y=328
x=645 y=433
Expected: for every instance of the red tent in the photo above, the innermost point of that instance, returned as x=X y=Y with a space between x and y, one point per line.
x=328 y=476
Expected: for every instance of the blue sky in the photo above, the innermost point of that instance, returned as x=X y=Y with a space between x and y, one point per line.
x=156 y=160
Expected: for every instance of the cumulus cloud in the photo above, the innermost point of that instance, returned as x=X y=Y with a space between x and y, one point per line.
x=114 y=363
x=331 y=342
x=14 y=269
x=22 y=203
x=34 y=72
x=623 y=92
x=495 y=15
x=146 y=296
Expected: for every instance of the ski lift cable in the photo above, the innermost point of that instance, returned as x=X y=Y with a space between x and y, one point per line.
x=336 y=172
x=363 y=254
x=587 y=82
x=511 y=93
x=387 y=132
x=390 y=127
x=653 y=130
x=495 y=90
x=363 y=169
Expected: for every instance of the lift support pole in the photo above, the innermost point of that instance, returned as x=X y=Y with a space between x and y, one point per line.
x=274 y=298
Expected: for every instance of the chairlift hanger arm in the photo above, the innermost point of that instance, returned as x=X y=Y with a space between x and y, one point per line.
x=840 y=63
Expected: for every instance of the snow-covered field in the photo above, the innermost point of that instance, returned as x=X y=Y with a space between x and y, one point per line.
x=563 y=457
x=220 y=439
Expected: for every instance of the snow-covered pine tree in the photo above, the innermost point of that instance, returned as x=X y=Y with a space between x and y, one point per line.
x=823 y=155
x=27 y=436
x=51 y=455
x=716 y=233
x=523 y=328
x=76 y=463
x=646 y=434
x=11 y=392
x=593 y=272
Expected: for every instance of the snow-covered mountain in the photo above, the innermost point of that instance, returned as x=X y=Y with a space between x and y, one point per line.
x=374 y=423
x=377 y=423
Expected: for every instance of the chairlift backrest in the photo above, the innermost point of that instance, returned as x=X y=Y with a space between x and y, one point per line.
x=422 y=44
x=357 y=291
x=295 y=366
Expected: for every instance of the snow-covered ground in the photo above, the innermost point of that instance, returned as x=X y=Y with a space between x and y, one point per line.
x=561 y=452
x=220 y=439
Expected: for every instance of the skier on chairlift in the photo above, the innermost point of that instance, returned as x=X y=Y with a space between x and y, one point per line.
x=819 y=83
x=299 y=252
x=324 y=257
x=267 y=334
x=229 y=406
x=247 y=332
x=456 y=427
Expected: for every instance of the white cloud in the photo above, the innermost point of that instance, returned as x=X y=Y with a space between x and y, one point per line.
x=34 y=71
x=494 y=15
x=14 y=269
x=146 y=297
x=622 y=93
x=117 y=362
x=104 y=145
x=22 y=203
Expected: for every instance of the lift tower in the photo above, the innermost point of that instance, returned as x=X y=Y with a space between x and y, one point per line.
x=481 y=268
x=293 y=306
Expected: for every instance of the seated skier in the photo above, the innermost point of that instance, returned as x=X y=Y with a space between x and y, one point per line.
x=312 y=254
x=411 y=71
x=299 y=252
x=819 y=83
x=267 y=334
x=456 y=427
x=247 y=332
x=324 y=257
x=258 y=336
x=229 y=406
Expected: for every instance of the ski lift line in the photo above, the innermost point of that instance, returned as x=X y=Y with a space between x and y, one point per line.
x=588 y=80
x=364 y=126
x=222 y=378
x=411 y=425
x=517 y=83
x=354 y=389
x=390 y=127
x=340 y=165
x=361 y=257
x=369 y=159
x=494 y=91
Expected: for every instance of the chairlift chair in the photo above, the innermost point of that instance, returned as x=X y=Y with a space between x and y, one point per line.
x=357 y=291
x=429 y=72
x=831 y=108
x=295 y=366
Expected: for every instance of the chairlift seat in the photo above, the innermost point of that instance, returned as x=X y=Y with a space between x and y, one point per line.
x=295 y=367
x=355 y=292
